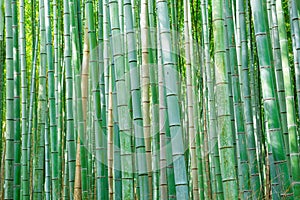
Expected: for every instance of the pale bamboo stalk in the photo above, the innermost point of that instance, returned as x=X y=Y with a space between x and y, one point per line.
x=162 y=129
x=85 y=74
x=110 y=144
x=145 y=86
x=77 y=184
x=191 y=127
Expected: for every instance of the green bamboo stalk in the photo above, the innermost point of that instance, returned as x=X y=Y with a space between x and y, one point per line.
x=238 y=104
x=47 y=160
x=211 y=103
x=170 y=75
x=91 y=136
x=123 y=111
x=54 y=142
x=58 y=87
x=155 y=129
x=38 y=184
x=271 y=108
x=136 y=10
x=128 y=92
x=32 y=77
x=2 y=61
x=205 y=61
x=2 y=20
x=35 y=129
x=102 y=22
x=101 y=162
x=281 y=57
x=109 y=66
x=103 y=73
x=154 y=104
x=9 y=147
x=295 y=42
x=32 y=108
x=279 y=77
x=231 y=105
x=290 y=124
x=275 y=187
x=289 y=93
x=170 y=167
x=178 y=61
x=295 y=30
x=204 y=144
x=79 y=19
x=70 y=133
x=118 y=191
x=143 y=155
x=76 y=51
x=25 y=175
x=244 y=64
x=174 y=27
x=162 y=130
x=136 y=24
x=226 y=133
x=256 y=94
x=87 y=101
x=17 y=111
x=66 y=193
x=199 y=154
x=163 y=115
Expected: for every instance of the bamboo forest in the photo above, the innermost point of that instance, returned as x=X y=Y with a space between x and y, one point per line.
x=149 y=99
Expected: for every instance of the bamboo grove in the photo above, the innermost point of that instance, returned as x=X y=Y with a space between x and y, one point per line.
x=149 y=99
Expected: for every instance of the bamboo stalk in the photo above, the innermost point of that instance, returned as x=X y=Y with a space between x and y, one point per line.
x=170 y=74
x=271 y=109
